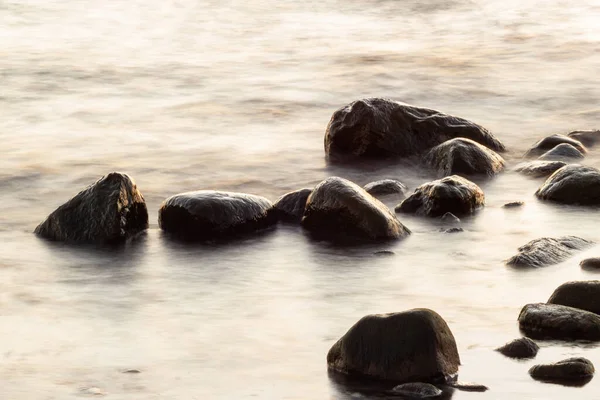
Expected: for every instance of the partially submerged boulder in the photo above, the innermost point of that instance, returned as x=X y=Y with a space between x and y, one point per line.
x=570 y=370
x=572 y=184
x=588 y=138
x=547 y=251
x=111 y=210
x=290 y=206
x=452 y=194
x=385 y=187
x=540 y=169
x=584 y=295
x=519 y=348
x=561 y=152
x=411 y=346
x=206 y=215
x=553 y=321
x=380 y=128
x=590 y=263
x=552 y=141
x=465 y=157
x=338 y=209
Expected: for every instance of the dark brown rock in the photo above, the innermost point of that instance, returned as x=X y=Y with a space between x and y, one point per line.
x=547 y=251
x=571 y=369
x=290 y=206
x=385 y=187
x=417 y=390
x=540 y=169
x=590 y=263
x=553 y=321
x=588 y=138
x=513 y=204
x=572 y=184
x=561 y=152
x=584 y=295
x=464 y=157
x=519 y=348
x=552 y=141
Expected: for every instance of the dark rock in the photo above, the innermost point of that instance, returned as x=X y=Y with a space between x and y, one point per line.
x=553 y=321
x=453 y=230
x=338 y=209
x=384 y=253
x=552 y=141
x=132 y=371
x=547 y=251
x=110 y=210
x=513 y=204
x=572 y=184
x=452 y=194
x=290 y=206
x=417 y=390
x=210 y=215
x=519 y=348
x=571 y=369
x=540 y=169
x=465 y=157
x=468 y=386
x=590 y=263
x=588 y=138
x=450 y=218
x=584 y=295
x=385 y=187
x=380 y=128
x=562 y=151
x=410 y=346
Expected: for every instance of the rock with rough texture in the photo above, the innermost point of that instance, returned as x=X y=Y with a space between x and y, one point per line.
x=547 y=251
x=584 y=295
x=206 y=215
x=519 y=348
x=418 y=390
x=111 y=210
x=588 y=138
x=452 y=194
x=465 y=157
x=290 y=206
x=385 y=187
x=411 y=346
x=338 y=209
x=553 y=321
x=382 y=128
x=514 y=204
x=540 y=169
x=561 y=152
x=590 y=263
x=572 y=184
x=551 y=142
x=571 y=369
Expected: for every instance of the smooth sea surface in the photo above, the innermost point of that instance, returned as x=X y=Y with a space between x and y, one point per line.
x=236 y=95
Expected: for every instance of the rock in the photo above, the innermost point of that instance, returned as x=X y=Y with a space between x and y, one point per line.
x=290 y=206
x=384 y=253
x=547 y=251
x=572 y=184
x=590 y=263
x=540 y=169
x=468 y=386
x=513 y=204
x=111 y=210
x=571 y=369
x=588 y=138
x=417 y=390
x=338 y=209
x=132 y=371
x=465 y=157
x=562 y=151
x=211 y=215
x=584 y=295
x=551 y=142
x=519 y=348
x=452 y=194
x=453 y=230
x=411 y=346
x=450 y=218
x=380 y=128
x=385 y=187
x=553 y=321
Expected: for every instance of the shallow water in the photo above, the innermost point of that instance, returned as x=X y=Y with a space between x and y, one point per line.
x=235 y=95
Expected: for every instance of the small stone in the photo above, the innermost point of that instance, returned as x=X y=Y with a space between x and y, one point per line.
x=384 y=253
x=547 y=251
x=514 y=204
x=519 y=348
x=569 y=370
x=452 y=230
x=417 y=390
x=562 y=151
x=469 y=386
x=385 y=187
x=590 y=263
x=552 y=321
x=451 y=218
x=132 y=371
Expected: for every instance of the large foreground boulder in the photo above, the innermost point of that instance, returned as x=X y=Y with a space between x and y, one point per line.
x=338 y=209
x=563 y=151
x=551 y=142
x=410 y=346
x=547 y=251
x=574 y=369
x=553 y=321
x=379 y=128
x=290 y=206
x=211 y=215
x=519 y=348
x=588 y=138
x=540 y=169
x=111 y=210
x=465 y=157
x=584 y=295
x=572 y=184
x=452 y=194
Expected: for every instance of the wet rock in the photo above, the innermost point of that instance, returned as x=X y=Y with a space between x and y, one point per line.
x=588 y=138
x=380 y=128
x=553 y=321
x=465 y=157
x=547 y=251
x=453 y=230
x=562 y=151
x=584 y=295
x=519 y=348
x=450 y=218
x=411 y=346
x=551 y=142
x=211 y=215
x=540 y=169
x=384 y=253
x=418 y=390
x=468 y=386
x=452 y=194
x=572 y=184
x=513 y=204
x=385 y=187
x=132 y=371
x=338 y=209
x=290 y=206
x=590 y=263
x=111 y=210
x=571 y=369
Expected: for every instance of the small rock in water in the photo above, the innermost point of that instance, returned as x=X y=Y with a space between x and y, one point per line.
x=452 y=230
x=383 y=253
x=540 y=169
x=572 y=184
x=449 y=217
x=547 y=251
x=565 y=371
x=519 y=348
x=583 y=295
x=92 y=391
x=290 y=206
x=588 y=138
x=513 y=204
x=590 y=263
x=469 y=386
x=465 y=157
x=418 y=389
x=562 y=151
x=553 y=141
x=553 y=321
x=385 y=187
x=132 y=371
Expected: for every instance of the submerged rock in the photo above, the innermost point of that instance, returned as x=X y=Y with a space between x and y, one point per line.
x=572 y=184
x=588 y=138
x=468 y=386
x=513 y=204
x=211 y=215
x=571 y=369
x=547 y=251
x=290 y=206
x=453 y=230
x=380 y=128
x=338 y=209
x=584 y=295
x=110 y=210
x=553 y=321
x=385 y=187
x=551 y=142
x=540 y=169
x=418 y=390
x=590 y=263
x=465 y=157
x=410 y=346
x=519 y=348
x=452 y=194
x=562 y=151
x=450 y=218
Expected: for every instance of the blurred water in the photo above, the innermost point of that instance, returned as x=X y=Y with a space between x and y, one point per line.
x=235 y=95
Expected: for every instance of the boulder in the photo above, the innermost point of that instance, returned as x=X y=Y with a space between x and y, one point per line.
x=540 y=169
x=452 y=194
x=584 y=295
x=417 y=390
x=465 y=157
x=514 y=204
x=205 y=215
x=410 y=346
x=561 y=152
x=290 y=206
x=590 y=263
x=111 y=210
x=571 y=369
x=552 y=141
x=588 y=138
x=385 y=187
x=547 y=251
x=338 y=209
x=519 y=348
x=572 y=184
x=553 y=321
x=382 y=128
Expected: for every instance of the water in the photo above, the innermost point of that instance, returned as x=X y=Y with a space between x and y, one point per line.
x=235 y=95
